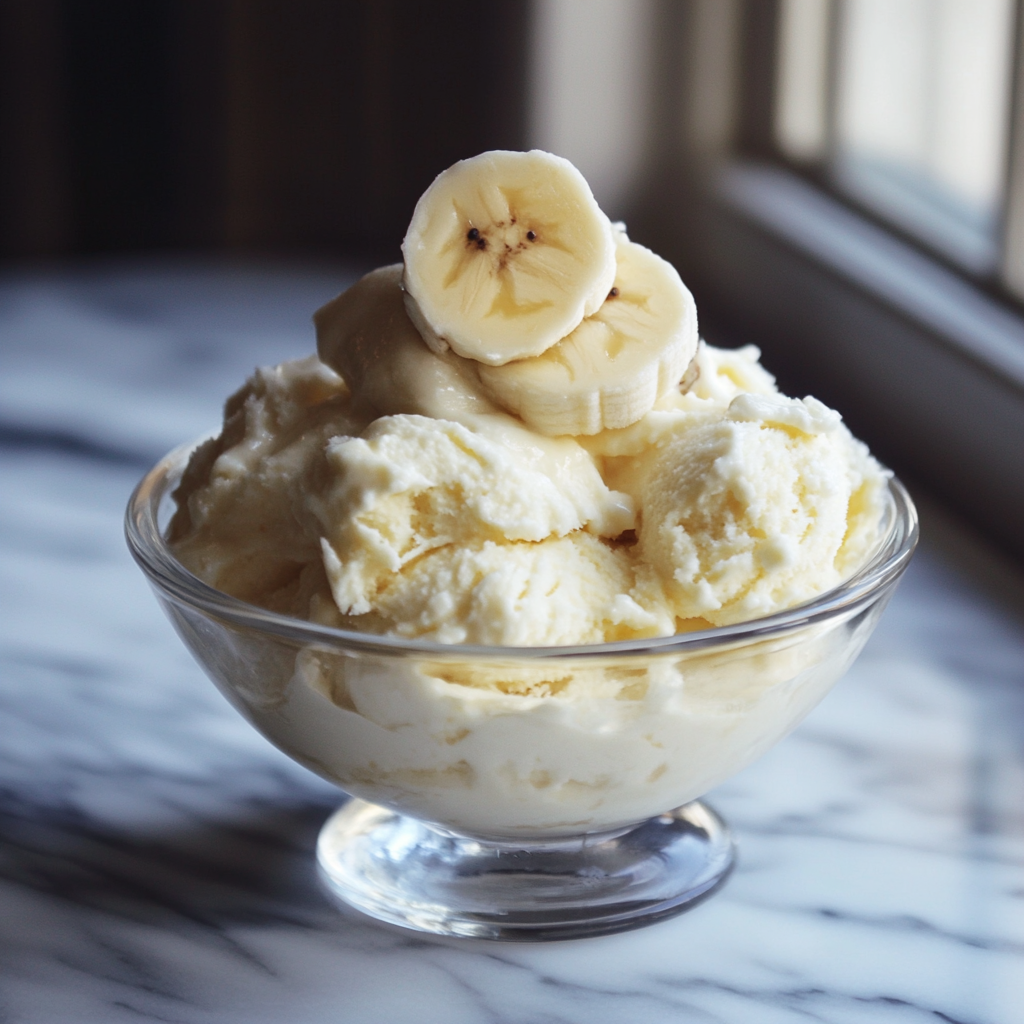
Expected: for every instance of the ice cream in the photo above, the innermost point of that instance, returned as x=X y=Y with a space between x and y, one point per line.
x=719 y=505
x=533 y=465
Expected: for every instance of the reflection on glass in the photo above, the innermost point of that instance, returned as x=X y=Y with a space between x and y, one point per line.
x=922 y=96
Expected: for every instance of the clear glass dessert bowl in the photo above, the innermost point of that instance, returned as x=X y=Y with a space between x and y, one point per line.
x=519 y=793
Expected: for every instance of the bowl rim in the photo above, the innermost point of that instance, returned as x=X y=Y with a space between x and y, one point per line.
x=174 y=582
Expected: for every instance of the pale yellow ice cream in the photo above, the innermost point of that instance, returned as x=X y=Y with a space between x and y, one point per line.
x=722 y=504
x=384 y=490
x=758 y=509
x=243 y=524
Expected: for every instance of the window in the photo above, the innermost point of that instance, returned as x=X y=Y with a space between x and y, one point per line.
x=904 y=107
x=841 y=182
x=835 y=181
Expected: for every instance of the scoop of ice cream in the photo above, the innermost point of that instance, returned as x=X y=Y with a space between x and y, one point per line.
x=563 y=590
x=411 y=487
x=242 y=524
x=744 y=502
x=365 y=334
x=722 y=374
x=758 y=509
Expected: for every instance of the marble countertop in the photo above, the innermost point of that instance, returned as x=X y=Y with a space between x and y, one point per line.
x=156 y=854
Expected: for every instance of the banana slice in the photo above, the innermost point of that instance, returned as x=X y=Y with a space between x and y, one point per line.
x=365 y=335
x=612 y=369
x=506 y=253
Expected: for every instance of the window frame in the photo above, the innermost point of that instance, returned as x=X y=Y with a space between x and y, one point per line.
x=1005 y=278
x=925 y=362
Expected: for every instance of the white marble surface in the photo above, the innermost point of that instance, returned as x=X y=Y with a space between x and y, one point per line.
x=156 y=857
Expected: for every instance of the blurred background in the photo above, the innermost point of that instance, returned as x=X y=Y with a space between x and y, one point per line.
x=288 y=127
x=839 y=181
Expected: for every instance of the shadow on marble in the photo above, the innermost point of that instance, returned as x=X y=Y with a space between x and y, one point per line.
x=254 y=865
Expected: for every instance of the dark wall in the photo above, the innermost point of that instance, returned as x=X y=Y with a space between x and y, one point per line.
x=308 y=125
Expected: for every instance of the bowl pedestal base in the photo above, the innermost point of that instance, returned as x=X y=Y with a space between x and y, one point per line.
x=408 y=873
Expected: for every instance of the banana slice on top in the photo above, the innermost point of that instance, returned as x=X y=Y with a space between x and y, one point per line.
x=610 y=371
x=506 y=254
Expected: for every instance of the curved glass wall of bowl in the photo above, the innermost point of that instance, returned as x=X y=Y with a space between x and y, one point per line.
x=907 y=103
x=519 y=793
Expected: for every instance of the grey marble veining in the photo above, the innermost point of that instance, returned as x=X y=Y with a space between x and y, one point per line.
x=156 y=853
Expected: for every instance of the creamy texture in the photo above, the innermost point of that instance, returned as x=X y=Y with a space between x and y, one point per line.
x=243 y=523
x=394 y=497
x=446 y=519
x=759 y=509
x=442 y=533
x=553 y=750
x=503 y=746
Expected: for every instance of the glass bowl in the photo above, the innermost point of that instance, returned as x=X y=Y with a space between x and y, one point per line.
x=519 y=793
